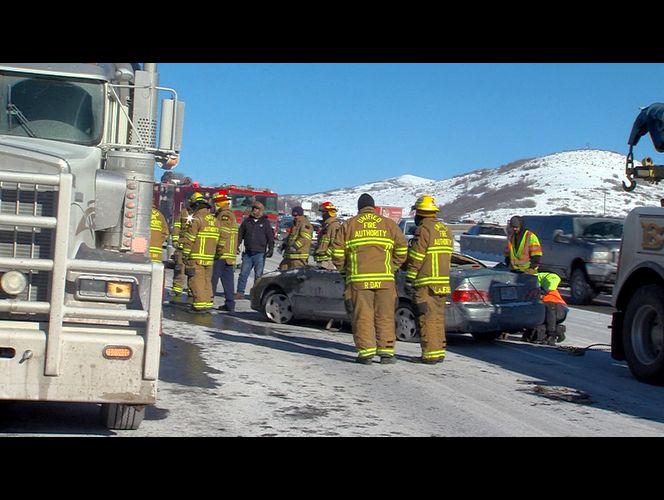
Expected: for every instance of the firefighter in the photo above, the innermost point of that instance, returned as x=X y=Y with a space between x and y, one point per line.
x=523 y=252
x=224 y=264
x=296 y=247
x=199 y=247
x=368 y=249
x=327 y=234
x=158 y=234
x=428 y=272
x=556 y=309
x=181 y=223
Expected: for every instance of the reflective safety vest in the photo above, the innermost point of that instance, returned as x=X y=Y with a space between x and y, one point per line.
x=158 y=234
x=550 y=282
x=520 y=257
x=325 y=238
x=429 y=256
x=299 y=240
x=199 y=241
x=369 y=249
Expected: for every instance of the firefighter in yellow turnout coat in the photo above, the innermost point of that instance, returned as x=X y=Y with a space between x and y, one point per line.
x=296 y=247
x=328 y=232
x=158 y=234
x=428 y=271
x=369 y=249
x=179 y=226
x=199 y=247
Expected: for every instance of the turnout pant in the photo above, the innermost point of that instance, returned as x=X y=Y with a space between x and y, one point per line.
x=201 y=286
x=430 y=310
x=373 y=321
x=178 y=273
x=291 y=263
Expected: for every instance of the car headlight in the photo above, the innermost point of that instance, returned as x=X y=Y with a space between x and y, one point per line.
x=601 y=257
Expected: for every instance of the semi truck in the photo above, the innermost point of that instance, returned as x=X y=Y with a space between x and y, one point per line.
x=637 y=326
x=80 y=300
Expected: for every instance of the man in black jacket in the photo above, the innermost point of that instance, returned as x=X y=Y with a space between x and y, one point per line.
x=258 y=237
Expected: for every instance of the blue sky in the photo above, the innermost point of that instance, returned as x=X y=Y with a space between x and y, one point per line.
x=306 y=128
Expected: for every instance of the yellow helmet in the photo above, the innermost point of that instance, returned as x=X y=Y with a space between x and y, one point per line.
x=426 y=206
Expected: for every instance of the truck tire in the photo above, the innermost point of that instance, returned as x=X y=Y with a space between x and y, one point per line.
x=643 y=335
x=581 y=292
x=121 y=416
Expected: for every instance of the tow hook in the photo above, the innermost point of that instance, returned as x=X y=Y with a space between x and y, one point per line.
x=26 y=356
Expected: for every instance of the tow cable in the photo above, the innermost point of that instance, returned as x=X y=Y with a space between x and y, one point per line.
x=578 y=351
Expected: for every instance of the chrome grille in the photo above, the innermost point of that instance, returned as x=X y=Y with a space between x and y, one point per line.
x=28 y=242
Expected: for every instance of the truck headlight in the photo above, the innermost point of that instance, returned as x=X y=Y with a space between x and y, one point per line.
x=601 y=257
x=13 y=282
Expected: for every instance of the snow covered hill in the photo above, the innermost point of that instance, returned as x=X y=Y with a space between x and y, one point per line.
x=583 y=181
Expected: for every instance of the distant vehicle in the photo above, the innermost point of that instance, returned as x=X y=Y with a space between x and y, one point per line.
x=484 y=241
x=582 y=249
x=484 y=302
x=407 y=226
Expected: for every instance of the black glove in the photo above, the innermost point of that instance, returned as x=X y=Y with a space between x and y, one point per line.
x=269 y=253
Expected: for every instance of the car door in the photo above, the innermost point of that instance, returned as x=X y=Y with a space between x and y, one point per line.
x=320 y=294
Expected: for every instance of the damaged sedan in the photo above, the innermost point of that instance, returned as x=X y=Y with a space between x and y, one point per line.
x=484 y=302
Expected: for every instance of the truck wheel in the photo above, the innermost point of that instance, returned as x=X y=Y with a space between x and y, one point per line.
x=643 y=335
x=121 y=416
x=580 y=290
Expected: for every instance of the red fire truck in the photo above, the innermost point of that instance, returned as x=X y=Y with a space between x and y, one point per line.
x=170 y=197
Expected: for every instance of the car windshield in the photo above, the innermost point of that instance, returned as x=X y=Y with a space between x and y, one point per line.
x=604 y=229
x=51 y=108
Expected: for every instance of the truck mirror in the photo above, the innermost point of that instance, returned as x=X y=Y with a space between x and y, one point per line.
x=558 y=235
x=172 y=120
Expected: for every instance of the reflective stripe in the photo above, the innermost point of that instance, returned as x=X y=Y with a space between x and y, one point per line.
x=367 y=353
x=385 y=350
x=434 y=354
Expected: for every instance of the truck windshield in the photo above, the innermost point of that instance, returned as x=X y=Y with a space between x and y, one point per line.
x=244 y=201
x=604 y=229
x=69 y=110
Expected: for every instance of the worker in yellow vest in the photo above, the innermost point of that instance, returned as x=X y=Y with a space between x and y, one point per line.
x=523 y=252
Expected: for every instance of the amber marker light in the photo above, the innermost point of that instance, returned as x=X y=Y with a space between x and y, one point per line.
x=117 y=352
x=118 y=290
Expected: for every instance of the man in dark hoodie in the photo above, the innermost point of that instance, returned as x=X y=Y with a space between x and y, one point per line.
x=258 y=237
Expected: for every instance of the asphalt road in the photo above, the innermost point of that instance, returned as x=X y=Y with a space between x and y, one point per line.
x=240 y=375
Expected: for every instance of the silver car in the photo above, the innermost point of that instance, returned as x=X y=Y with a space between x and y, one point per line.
x=484 y=302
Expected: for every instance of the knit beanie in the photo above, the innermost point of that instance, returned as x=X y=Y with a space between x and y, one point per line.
x=297 y=211
x=365 y=200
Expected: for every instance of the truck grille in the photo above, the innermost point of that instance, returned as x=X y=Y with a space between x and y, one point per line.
x=28 y=242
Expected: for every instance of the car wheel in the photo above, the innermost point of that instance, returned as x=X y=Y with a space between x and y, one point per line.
x=277 y=307
x=406 y=323
x=643 y=335
x=580 y=290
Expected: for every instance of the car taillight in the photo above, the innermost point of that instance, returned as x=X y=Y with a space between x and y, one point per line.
x=470 y=296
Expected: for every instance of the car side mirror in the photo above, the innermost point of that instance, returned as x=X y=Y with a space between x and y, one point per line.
x=558 y=235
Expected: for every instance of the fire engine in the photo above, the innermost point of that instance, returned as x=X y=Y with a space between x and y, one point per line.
x=171 y=196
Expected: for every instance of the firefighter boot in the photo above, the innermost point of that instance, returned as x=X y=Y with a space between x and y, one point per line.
x=388 y=360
